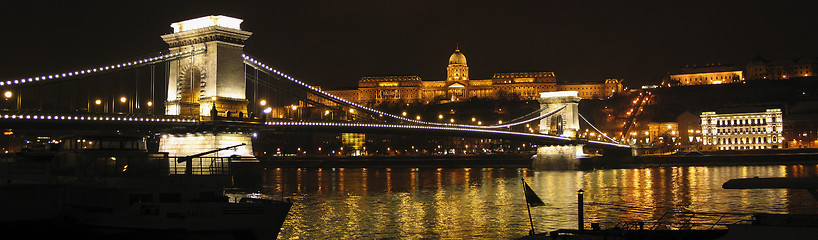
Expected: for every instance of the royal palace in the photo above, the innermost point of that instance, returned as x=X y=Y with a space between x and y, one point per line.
x=458 y=86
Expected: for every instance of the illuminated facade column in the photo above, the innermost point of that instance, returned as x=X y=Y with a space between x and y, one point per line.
x=214 y=76
x=564 y=123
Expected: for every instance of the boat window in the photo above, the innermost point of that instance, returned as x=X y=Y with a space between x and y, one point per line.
x=141 y=198
x=170 y=197
x=90 y=145
x=128 y=144
x=121 y=144
x=108 y=144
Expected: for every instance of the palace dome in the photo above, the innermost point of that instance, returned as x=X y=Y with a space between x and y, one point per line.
x=457 y=58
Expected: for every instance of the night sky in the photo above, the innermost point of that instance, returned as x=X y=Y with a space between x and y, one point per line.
x=335 y=43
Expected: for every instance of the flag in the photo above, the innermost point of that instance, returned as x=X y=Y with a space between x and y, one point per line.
x=531 y=197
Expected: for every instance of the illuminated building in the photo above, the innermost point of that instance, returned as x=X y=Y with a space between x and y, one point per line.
x=459 y=86
x=742 y=131
x=708 y=74
x=781 y=69
x=354 y=142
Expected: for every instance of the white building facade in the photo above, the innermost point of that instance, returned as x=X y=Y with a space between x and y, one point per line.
x=742 y=131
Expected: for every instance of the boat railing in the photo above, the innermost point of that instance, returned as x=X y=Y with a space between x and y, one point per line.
x=150 y=165
x=202 y=165
x=11 y=171
x=687 y=221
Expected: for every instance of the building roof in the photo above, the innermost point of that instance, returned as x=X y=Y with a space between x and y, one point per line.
x=758 y=60
x=707 y=69
x=457 y=58
x=522 y=74
x=390 y=78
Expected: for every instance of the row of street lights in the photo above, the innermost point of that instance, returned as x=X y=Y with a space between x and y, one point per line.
x=7 y=95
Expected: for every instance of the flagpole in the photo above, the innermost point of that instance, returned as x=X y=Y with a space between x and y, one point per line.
x=528 y=208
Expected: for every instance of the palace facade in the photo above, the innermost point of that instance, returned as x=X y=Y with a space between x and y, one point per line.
x=459 y=86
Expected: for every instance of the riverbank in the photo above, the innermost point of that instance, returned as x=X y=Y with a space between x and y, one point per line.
x=417 y=161
x=720 y=158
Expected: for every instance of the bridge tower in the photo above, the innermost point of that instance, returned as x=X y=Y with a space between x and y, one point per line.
x=212 y=78
x=563 y=123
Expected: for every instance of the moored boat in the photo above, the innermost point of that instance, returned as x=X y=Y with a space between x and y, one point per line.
x=113 y=184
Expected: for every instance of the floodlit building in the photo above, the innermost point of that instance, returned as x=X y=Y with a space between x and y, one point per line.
x=708 y=74
x=742 y=131
x=459 y=86
x=781 y=69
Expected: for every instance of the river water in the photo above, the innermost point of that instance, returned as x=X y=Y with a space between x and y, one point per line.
x=488 y=203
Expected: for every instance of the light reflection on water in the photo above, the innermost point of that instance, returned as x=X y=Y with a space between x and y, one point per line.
x=456 y=203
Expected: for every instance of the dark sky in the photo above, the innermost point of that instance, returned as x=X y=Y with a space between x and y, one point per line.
x=335 y=43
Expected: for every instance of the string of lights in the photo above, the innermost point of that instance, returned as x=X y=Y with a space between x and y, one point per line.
x=261 y=65
x=396 y=126
x=109 y=68
x=96 y=118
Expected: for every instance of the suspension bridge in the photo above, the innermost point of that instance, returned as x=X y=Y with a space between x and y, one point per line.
x=205 y=92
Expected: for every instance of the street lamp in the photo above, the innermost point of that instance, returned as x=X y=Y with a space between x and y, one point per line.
x=292 y=114
x=98 y=102
x=9 y=94
x=267 y=112
x=150 y=107
x=123 y=100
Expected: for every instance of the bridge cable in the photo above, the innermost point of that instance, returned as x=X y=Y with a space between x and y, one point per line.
x=284 y=91
x=341 y=101
x=272 y=85
x=597 y=130
x=529 y=114
x=104 y=69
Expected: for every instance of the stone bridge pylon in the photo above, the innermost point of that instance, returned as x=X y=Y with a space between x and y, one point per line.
x=564 y=123
x=213 y=78
x=209 y=81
